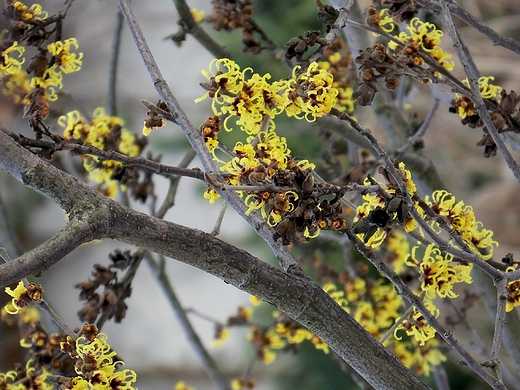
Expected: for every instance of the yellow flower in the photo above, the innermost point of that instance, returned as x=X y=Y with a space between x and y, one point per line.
x=417 y=326
x=34 y=12
x=386 y=23
x=513 y=293
x=97 y=133
x=420 y=359
x=488 y=91
x=311 y=94
x=198 y=15
x=221 y=337
x=211 y=195
x=96 y=365
x=17 y=294
x=10 y=64
x=67 y=61
x=427 y=37
x=7 y=379
x=439 y=275
x=463 y=220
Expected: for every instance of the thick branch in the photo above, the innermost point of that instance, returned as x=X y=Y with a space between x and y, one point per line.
x=300 y=298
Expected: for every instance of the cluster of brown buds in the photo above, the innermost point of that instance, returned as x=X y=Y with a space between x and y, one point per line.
x=229 y=15
x=298 y=46
x=376 y=64
x=401 y=10
x=504 y=114
x=154 y=118
x=112 y=298
x=309 y=215
x=45 y=350
x=210 y=128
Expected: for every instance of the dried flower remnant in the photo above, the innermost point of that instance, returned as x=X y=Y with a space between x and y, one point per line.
x=376 y=215
x=104 y=293
x=380 y=19
x=503 y=111
x=234 y=15
x=155 y=120
x=266 y=343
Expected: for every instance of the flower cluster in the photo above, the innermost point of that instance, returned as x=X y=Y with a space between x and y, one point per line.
x=465 y=107
x=96 y=364
x=438 y=274
x=26 y=378
x=234 y=15
x=42 y=78
x=106 y=133
x=282 y=335
x=407 y=56
x=416 y=325
x=307 y=94
x=502 y=109
x=462 y=219
x=34 y=12
x=422 y=36
x=419 y=358
x=264 y=159
x=376 y=306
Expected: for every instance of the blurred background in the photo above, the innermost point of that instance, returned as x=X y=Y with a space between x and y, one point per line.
x=150 y=339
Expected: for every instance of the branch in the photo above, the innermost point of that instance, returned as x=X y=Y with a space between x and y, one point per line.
x=208 y=362
x=300 y=298
x=193 y=28
x=472 y=74
x=430 y=318
x=285 y=258
x=495 y=38
x=113 y=68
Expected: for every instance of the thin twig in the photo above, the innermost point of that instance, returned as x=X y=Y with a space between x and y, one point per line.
x=139 y=161
x=42 y=304
x=500 y=321
x=169 y=201
x=441 y=378
x=285 y=258
x=193 y=28
x=208 y=362
x=472 y=75
x=8 y=239
x=113 y=66
x=218 y=222
x=422 y=129
x=417 y=302
x=335 y=29
x=496 y=38
x=397 y=323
